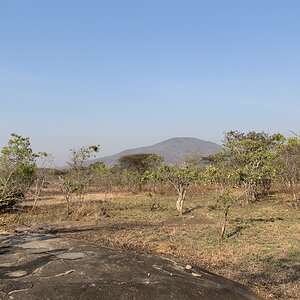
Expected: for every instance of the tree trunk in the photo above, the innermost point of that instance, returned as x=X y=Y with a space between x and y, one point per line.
x=68 y=205
x=251 y=193
x=225 y=220
x=38 y=190
x=180 y=200
x=293 y=190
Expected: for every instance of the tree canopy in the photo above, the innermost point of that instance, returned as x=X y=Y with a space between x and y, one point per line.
x=140 y=162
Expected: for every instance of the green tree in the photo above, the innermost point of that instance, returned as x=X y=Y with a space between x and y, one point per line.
x=76 y=179
x=80 y=156
x=43 y=173
x=288 y=165
x=140 y=162
x=226 y=200
x=180 y=177
x=104 y=177
x=248 y=160
x=17 y=169
x=133 y=167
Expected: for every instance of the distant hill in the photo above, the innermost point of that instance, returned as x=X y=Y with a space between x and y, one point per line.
x=174 y=150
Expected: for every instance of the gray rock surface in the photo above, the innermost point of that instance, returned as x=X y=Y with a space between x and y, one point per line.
x=43 y=266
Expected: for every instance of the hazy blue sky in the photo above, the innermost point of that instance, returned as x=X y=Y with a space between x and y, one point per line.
x=131 y=73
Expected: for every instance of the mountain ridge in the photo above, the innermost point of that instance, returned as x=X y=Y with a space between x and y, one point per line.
x=173 y=150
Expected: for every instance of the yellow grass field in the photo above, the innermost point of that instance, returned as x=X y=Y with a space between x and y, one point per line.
x=262 y=248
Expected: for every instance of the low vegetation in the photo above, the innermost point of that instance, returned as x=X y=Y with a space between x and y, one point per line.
x=237 y=216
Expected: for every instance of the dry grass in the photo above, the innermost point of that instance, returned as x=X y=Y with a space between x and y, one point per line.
x=263 y=250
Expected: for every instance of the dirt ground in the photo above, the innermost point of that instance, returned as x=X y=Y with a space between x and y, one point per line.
x=261 y=249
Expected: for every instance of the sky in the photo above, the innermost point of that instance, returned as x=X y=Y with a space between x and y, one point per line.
x=132 y=73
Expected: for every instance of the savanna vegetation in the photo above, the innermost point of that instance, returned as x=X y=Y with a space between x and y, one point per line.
x=235 y=212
